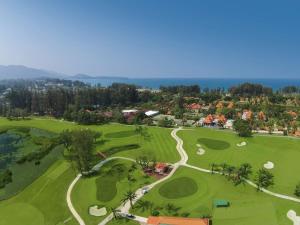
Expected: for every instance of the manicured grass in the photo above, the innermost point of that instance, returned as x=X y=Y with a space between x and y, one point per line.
x=43 y=202
x=122 y=221
x=90 y=191
x=121 y=134
x=214 y=144
x=160 y=144
x=178 y=188
x=282 y=151
x=247 y=206
x=106 y=188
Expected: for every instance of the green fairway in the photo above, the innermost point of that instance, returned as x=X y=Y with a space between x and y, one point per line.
x=283 y=152
x=43 y=202
x=247 y=206
x=178 y=188
x=107 y=189
x=158 y=144
x=214 y=144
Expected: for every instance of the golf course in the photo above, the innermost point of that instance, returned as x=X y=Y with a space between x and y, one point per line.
x=189 y=191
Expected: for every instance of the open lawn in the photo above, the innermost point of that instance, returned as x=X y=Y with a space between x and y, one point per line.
x=42 y=202
x=117 y=139
x=107 y=189
x=248 y=207
x=221 y=146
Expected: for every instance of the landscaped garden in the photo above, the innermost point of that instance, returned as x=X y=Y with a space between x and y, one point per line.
x=225 y=147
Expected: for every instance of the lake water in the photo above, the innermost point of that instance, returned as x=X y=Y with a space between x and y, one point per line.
x=155 y=83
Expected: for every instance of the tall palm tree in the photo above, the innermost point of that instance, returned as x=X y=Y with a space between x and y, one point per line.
x=213 y=166
x=129 y=196
x=143 y=205
x=223 y=168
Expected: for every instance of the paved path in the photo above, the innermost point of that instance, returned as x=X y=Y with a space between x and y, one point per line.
x=124 y=208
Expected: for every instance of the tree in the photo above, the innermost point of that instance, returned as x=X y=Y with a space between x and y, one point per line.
x=297 y=190
x=264 y=179
x=65 y=138
x=129 y=196
x=243 y=128
x=143 y=205
x=242 y=173
x=82 y=149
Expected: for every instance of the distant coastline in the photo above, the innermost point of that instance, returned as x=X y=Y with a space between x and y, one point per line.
x=211 y=83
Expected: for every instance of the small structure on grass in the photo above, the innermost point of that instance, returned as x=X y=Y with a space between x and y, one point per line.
x=161 y=168
x=96 y=211
x=221 y=203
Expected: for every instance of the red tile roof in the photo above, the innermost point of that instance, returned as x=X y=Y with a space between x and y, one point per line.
x=152 y=220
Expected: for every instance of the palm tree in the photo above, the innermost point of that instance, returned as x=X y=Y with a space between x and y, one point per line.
x=129 y=196
x=115 y=212
x=245 y=170
x=143 y=205
x=213 y=166
x=229 y=171
x=223 y=168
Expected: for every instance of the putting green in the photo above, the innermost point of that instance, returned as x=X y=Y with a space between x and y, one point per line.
x=179 y=188
x=15 y=213
x=106 y=188
x=214 y=144
x=121 y=134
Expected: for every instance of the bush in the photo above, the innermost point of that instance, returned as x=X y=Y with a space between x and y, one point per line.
x=155 y=213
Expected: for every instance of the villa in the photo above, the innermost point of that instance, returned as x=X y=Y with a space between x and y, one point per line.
x=152 y=220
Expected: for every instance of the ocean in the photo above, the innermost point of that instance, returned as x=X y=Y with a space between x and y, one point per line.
x=155 y=83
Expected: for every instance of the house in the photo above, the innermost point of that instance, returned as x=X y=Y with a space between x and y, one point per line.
x=247 y=115
x=128 y=112
x=195 y=107
x=161 y=168
x=159 y=220
x=151 y=113
x=229 y=124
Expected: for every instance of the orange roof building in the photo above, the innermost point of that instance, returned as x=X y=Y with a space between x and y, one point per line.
x=261 y=115
x=152 y=220
x=230 y=105
x=219 y=105
x=209 y=119
x=194 y=106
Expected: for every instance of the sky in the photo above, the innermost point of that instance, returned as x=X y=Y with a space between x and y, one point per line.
x=154 y=38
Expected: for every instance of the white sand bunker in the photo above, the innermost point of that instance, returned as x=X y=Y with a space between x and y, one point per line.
x=292 y=215
x=95 y=211
x=241 y=144
x=269 y=165
x=201 y=151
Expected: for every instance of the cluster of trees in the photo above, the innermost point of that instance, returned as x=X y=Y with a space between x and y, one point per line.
x=192 y=90
x=80 y=145
x=5 y=178
x=238 y=175
x=243 y=128
x=250 y=90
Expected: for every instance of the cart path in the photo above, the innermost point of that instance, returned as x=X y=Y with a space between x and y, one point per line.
x=124 y=208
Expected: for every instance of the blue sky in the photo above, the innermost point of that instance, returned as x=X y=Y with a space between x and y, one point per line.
x=153 y=38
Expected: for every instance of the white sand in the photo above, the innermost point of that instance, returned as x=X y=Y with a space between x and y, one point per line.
x=292 y=215
x=198 y=145
x=201 y=151
x=269 y=165
x=241 y=144
x=95 y=211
